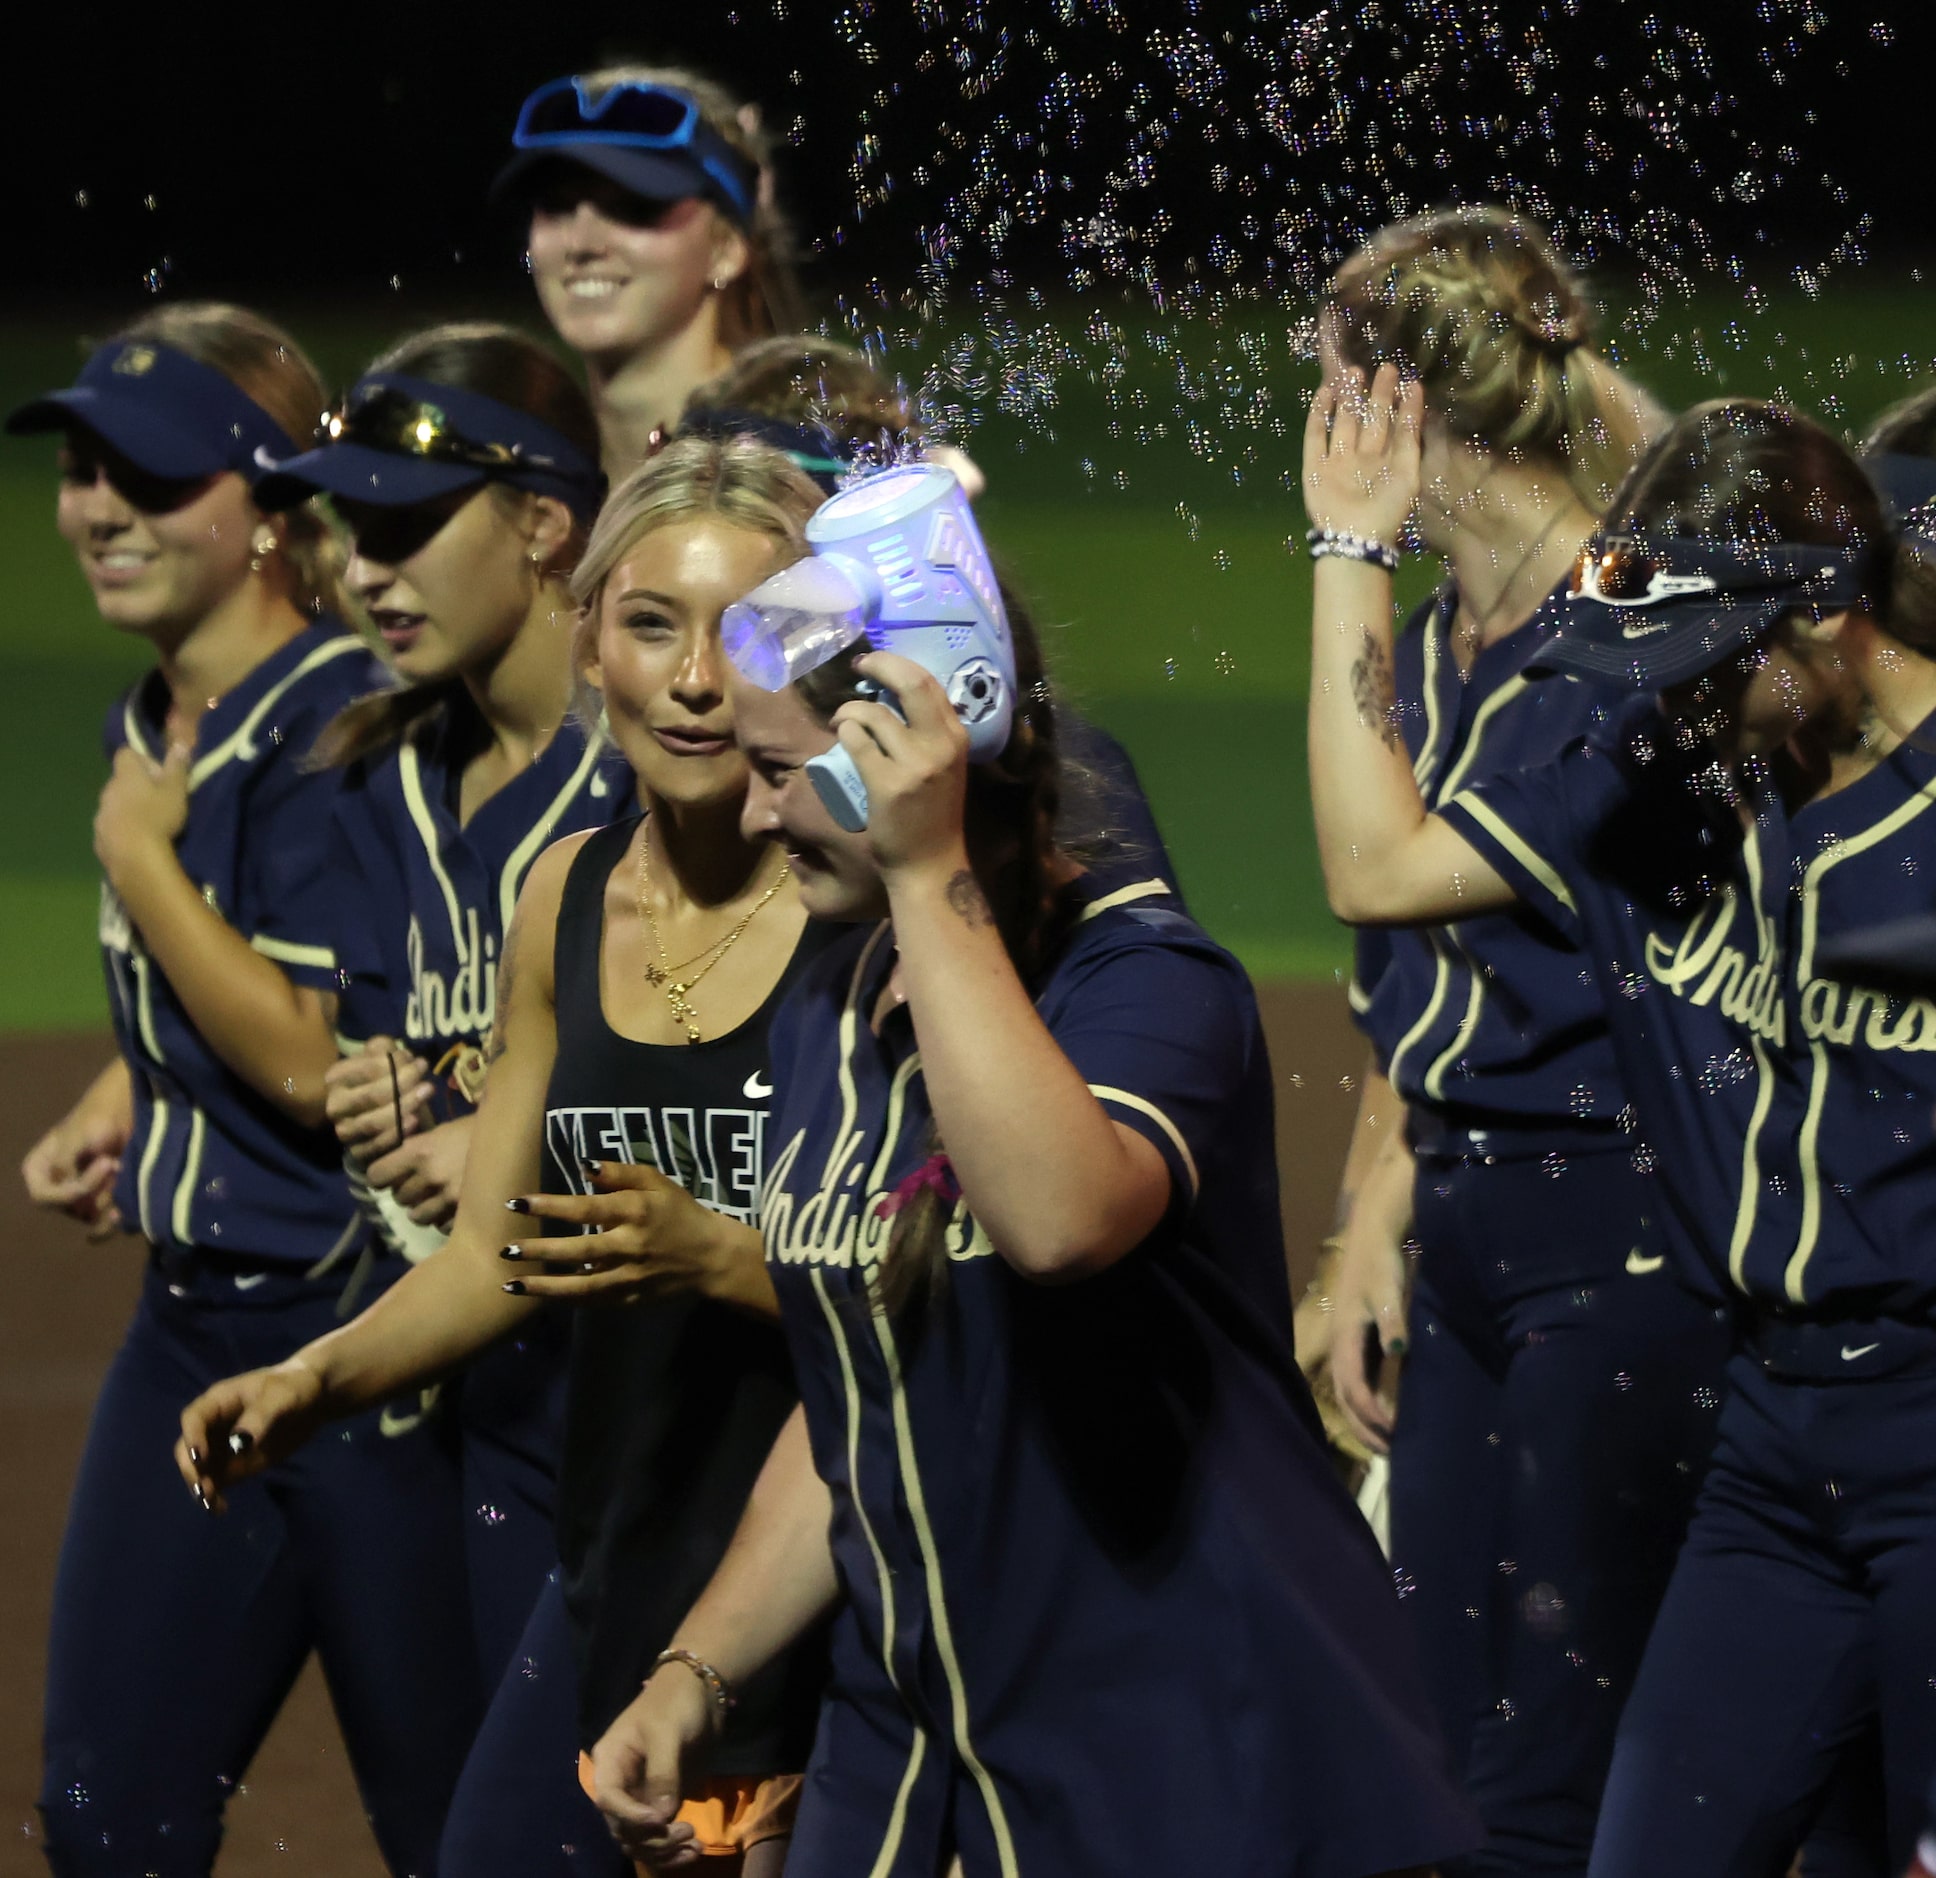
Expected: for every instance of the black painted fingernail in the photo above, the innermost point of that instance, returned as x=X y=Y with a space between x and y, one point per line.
x=519 y=1205
x=512 y=1252
x=593 y=1168
x=516 y=1287
x=195 y=1455
x=588 y=1266
x=241 y=1441
x=201 y=1498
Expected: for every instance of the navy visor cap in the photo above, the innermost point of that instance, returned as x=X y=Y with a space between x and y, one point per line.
x=650 y=138
x=399 y=441
x=1653 y=611
x=168 y=414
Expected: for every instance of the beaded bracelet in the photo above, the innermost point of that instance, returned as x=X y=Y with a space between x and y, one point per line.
x=723 y=1698
x=1349 y=547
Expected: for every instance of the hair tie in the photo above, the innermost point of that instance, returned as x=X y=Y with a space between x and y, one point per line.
x=935 y=1175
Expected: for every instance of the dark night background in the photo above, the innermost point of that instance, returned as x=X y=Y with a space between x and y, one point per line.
x=328 y=149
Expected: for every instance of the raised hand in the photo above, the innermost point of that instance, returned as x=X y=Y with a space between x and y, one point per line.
x=1361 y=454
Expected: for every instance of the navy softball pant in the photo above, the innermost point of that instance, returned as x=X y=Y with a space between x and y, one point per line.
x=520 y=1811
x=177 y=1635
x=1801 y=1614
x=1558 y=1403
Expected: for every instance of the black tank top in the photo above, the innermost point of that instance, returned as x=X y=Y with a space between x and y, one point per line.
x=672 y=1404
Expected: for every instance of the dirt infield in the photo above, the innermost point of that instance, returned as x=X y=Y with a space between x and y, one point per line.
x=67 y=1301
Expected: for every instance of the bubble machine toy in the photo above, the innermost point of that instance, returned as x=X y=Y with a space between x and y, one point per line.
x=898 y=561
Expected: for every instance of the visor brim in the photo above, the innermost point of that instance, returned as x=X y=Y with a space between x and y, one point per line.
x=1650 y=649
x=131 y=428
x=651 y=175
x=357 y=473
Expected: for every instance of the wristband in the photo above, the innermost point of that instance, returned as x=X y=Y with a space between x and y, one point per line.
x=1342 y=543
x=724 y=1701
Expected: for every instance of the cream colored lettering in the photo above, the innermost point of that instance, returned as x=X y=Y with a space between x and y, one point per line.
x=466 y=1006
x=1704 y=969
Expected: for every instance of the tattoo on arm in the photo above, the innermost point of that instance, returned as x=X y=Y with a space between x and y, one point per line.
x=501 y=1002
x=969 y=902
x=1374 y=692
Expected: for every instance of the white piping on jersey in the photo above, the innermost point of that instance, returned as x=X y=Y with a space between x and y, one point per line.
x=1428 y=756
x=849 y=1033
x=1482 y=717
x=241 y=741
x=1811 y=1227
x=131 y=726
x=1434 y=1084
x=1744 y=1212
x=1357 y=996
x=1430 y=1016
x=897 y=1820
x=1515 y=844
x=1139 y=890
x=1103 y=1093
x=144 y=1006
x=943 y=1631
x=150 y=1153
x=521 y=857
x=410 y=775
x=182 y=1215
x=287 y=952
x=1844 y=850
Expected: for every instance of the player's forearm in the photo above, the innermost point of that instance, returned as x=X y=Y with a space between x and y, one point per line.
x=435 y=1318
x=1363 y=795
x=777 y=1578
x=108 y=1102
x=1381 y=1115
x=1041 y=1162
x=272 y=1033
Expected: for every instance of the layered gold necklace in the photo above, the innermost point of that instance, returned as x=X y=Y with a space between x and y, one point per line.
x=677 y=981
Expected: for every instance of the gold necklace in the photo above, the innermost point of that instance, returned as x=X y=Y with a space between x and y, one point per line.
x=678 y=980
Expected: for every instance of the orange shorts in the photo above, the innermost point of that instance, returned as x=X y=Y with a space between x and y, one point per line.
x=730 y=1812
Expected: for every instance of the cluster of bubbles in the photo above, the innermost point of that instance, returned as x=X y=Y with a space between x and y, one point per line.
x=1185 y=176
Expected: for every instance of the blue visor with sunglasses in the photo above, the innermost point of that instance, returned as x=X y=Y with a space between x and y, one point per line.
x=1649 y=611
x=397 y=441
x=649 y=138
x=168 y=414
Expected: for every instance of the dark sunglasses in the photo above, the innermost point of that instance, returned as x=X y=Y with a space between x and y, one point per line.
x=84 y=457
x=396 y=423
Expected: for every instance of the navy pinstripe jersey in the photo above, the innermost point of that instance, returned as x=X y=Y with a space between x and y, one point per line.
x=1087 y=1534
x=212 y=1163
x=423 y=901
x=1790 y=1110
x=1499 y=1013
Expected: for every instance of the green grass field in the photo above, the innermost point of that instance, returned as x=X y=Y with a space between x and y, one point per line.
x=1182 y=633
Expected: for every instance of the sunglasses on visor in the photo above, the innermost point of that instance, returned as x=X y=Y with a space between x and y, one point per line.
x=1625 y=571
x=634 y=114
x=394 y=422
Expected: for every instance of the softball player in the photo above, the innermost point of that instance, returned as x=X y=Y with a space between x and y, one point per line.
x=1057 y=1469
x=1537 y=1283
x=464 y=462
x=1706 y=850
x=654 y=239
x=602 y=1110
x=175 y=1636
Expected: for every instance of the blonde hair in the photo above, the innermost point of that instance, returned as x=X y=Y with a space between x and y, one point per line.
x=765 y=298
x=1477 y=303
x=744 y=483
x=266 y=365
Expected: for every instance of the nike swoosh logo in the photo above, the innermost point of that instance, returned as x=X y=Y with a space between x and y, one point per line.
x=756 y=1090
x=1849 y=1356
x=1643 y=632
x=263 y=460
x=394 y=1421
x=1640 y=1265
x=250 y=1283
